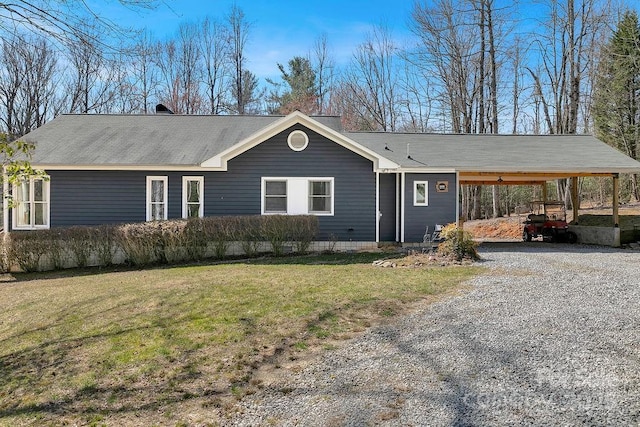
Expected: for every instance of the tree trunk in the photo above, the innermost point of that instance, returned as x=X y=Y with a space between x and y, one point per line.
x=635 y=191
x=497 y=211
x=476 y=212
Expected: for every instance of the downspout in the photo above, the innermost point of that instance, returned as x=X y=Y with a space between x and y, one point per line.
x=397 y=207
x=378 y=215
x=402 y=188
x=459 y=219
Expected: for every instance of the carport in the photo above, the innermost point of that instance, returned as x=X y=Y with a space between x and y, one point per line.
x=541 y=178
x=489 y=159
x=536 y=160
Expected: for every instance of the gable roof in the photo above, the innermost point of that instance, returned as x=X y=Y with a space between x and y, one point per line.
x=144 y=140
x=220 y=160
x=188 y=141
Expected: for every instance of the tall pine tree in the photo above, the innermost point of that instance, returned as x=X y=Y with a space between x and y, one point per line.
x=302 y=93
x=616 y=107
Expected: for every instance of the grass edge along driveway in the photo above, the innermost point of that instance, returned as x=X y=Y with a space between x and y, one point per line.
x=175 y=346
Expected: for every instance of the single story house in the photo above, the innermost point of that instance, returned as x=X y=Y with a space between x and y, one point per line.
x=365 y=187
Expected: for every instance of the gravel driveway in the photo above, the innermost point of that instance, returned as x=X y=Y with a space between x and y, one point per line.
x=549 y=336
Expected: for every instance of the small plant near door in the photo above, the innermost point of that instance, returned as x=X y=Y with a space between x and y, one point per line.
x=458 y=244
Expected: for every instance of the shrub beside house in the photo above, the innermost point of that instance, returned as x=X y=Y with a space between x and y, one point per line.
x=159 y=242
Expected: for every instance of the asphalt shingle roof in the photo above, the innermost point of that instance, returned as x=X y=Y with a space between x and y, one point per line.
x=162 y=139
x=485 y=152
x=188 y=140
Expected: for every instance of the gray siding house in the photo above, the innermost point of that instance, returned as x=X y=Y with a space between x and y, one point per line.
x=364 y=187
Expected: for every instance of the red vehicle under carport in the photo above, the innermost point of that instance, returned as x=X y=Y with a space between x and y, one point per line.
x=549 y=221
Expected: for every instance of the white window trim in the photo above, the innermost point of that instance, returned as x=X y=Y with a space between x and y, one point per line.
x=295 y=201
x=330 y=181
x=47 y=193
x=165 y=179
x=263 y=193
x=293 y=135
x=426 y=193
x=185 y=181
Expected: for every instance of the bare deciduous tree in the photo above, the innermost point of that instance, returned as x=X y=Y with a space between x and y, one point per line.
x=418 y=103
x=91 y=82
x=566 y=44
x=27 y=86
x=144 y=75
x=458 y=51
x=180 y=66
x=324 y=67
x=65 y=21
x=238 y=36
x=214 y=50
x=373 y=79
x=447 y=40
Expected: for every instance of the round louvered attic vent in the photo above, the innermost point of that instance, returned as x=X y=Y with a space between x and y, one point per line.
x=298 y=140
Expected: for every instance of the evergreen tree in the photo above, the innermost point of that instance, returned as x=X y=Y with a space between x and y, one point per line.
x=302 y=89
x=617 y=92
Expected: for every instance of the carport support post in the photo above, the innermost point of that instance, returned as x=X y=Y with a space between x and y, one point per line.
x=616 y=200
x=575 y=202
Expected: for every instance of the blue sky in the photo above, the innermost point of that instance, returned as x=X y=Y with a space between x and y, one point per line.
x=282 y=29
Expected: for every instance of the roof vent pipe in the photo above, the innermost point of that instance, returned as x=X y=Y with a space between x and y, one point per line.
x=162 y=109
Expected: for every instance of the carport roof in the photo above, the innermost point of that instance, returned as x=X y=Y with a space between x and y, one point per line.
x=501 y=159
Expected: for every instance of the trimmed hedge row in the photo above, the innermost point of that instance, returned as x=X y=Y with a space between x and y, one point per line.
x=163 y=242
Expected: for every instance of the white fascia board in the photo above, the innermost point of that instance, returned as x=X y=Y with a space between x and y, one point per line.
x=425 y=170
x=550 y=171
x=384 y=163
x=103 y=167
x=219 y=161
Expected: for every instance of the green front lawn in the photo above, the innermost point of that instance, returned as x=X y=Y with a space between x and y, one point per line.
x=175 y=346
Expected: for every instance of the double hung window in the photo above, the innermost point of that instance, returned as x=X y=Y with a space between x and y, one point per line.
x=192 y=197
x=31 y=204
x=157 y=196
x=275 y=196
x=320 y=197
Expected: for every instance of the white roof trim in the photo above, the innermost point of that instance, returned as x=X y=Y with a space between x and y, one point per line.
x=120 y=167
x=220 y=160
x=420 y=170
